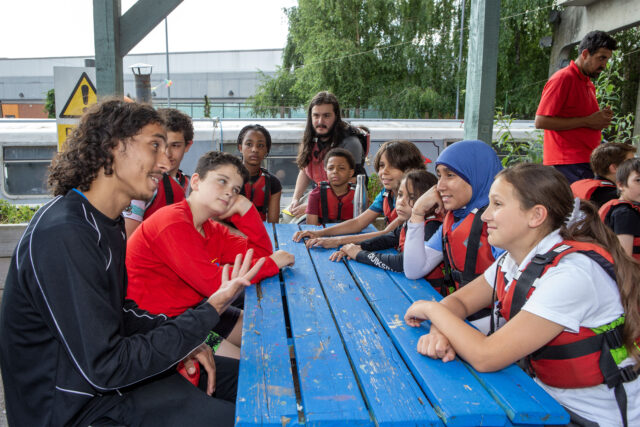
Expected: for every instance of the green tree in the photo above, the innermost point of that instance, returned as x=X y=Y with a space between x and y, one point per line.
x=397 y=56
x=50 y=104
x=523 y=65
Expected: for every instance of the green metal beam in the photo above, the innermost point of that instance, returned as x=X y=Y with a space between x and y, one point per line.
x=115 y=36
x=140 y=19
x=482 y=69
x=106 y=34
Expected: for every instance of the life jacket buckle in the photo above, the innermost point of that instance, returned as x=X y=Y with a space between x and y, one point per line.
x=613 y=337
x=628 y=374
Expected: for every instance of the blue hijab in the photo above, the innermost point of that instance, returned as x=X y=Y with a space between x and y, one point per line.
x=476 y=163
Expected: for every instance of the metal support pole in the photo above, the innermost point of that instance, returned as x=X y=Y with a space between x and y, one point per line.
x=166 y=41
x=460 y=61
x=482 y=70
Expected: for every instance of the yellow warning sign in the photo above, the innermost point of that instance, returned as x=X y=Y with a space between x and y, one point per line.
x=63 y=132
x=82 y=96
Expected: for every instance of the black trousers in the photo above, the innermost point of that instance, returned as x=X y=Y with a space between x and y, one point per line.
x=170 y=400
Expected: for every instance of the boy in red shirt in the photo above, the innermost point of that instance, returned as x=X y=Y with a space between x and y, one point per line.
x=174 y=258
x=332 y=200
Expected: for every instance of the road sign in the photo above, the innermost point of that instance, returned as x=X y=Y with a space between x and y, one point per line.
x=82 y=96
x=75 y=92
x=63 y=132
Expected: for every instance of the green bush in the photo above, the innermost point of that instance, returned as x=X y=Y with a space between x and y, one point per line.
x=15 y=214
x=373 y=188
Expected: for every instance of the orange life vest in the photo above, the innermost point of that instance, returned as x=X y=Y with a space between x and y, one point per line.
x=585 y=187
x=467 y=252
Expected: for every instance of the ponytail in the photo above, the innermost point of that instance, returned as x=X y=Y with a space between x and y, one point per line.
x=583 y=224
x=591 y=229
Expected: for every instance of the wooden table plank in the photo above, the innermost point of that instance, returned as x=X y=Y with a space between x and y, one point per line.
x=454 y=392
x=389 y=388
x=330 y=392
x=524 y=401
x=266 y=394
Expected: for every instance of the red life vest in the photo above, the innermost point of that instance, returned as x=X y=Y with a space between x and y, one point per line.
x=389 y=213
x=467 y=252
x=605 y=213
x=169 y=192
x=259 y=192
x=570 y=360
x=334 y=208
x=585 y=187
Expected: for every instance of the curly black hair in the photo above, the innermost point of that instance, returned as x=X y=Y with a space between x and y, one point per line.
x=177 y=121
x=257 y=128
x=90 y=146
x=214 y=159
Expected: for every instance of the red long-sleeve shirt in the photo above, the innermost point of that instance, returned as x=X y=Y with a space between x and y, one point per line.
x=171 y=267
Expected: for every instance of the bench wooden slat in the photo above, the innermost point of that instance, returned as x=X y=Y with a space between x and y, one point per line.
x=265 y=382
x=524 y=401
x=392 y=394
x=454 y=392
x=330 y=392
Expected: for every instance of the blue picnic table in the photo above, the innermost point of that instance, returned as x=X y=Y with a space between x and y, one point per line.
x=324 y=343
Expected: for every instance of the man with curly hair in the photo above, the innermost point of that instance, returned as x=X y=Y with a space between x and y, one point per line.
x=74 y=350
x=173 y=186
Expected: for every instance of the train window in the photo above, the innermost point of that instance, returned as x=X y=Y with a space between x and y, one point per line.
x=26 y=170
x=285 y=169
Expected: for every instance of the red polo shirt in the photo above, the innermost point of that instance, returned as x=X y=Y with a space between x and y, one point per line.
x=569 y=93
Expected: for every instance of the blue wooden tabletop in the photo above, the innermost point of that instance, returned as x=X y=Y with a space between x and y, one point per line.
x=324 y=343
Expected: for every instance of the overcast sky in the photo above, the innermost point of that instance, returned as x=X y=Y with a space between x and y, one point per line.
x=40 y=28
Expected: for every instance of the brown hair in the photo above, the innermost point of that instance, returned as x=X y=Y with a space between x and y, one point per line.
x=403 y=155
x=552 y=191
x=624 y=170
x=607 y=154
x=421 y=181
x=337 y=132
x=214 y=159
x=177 y=121
x=90 y=146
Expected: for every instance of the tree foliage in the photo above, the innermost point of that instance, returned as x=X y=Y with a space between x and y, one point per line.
x=50 y=104
x=396 y=56
x=401 y=57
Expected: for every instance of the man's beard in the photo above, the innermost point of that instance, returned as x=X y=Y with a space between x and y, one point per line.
x=327 y=136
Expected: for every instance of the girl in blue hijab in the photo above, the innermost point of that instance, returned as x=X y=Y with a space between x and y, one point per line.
x=465 y=170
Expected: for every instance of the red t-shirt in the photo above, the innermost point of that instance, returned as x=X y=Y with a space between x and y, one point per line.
x=171 y=267
x=569 y=93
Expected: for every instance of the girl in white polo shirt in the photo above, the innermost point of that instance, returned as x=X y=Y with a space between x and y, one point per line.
x=556 y=286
